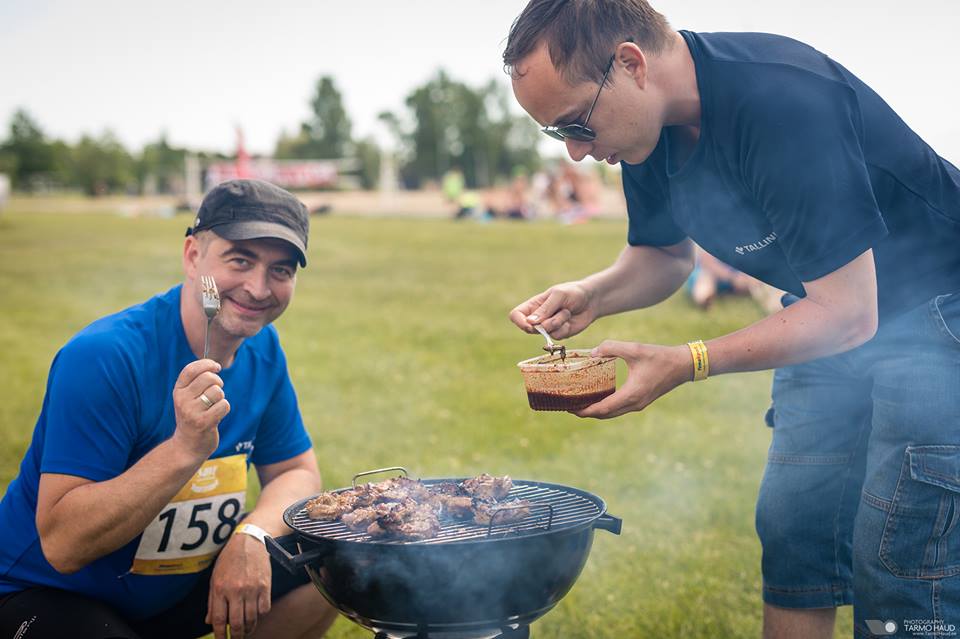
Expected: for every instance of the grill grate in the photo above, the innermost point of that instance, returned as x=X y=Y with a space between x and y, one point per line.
x=570 y=508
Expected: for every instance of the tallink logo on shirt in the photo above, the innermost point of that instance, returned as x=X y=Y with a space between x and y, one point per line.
x=756 y=246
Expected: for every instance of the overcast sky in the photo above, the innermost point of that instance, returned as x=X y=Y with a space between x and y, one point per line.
x=197 y=69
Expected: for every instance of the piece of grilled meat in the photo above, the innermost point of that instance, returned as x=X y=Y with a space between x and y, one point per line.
x=506 y=512
x=456 y=506
x=366 y=494
x=331 y=506
x=448 y=488
x=409 y=520
x=487 y=488
x=360 y=519
x=400 y=488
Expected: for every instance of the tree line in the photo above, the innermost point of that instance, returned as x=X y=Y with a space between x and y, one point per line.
x=444 y=124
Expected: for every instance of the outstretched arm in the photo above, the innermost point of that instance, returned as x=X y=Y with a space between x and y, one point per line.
x=839 y=313
x=641 y=276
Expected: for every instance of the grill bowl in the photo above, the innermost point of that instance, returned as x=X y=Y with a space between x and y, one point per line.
x=469 y=579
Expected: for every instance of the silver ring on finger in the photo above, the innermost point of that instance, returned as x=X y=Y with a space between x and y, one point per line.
x=206 y=400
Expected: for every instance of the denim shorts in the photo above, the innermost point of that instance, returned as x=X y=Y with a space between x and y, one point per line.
x=860 y=499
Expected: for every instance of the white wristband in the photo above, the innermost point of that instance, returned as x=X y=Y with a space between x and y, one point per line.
x=251 y=529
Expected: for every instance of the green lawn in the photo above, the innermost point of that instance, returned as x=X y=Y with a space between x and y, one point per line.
x=401 y=354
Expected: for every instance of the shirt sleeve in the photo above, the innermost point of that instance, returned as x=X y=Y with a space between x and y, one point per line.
x=802 y=158
x=281 y=434
x=648 y=209
x=90 y=410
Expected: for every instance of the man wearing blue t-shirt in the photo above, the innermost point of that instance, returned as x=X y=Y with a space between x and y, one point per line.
x=780 y=162
x=122 y=520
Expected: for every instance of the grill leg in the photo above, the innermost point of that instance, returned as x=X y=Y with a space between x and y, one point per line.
x=523 y=632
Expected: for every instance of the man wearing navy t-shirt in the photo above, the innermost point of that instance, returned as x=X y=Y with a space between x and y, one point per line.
x=125 y=518
x=780 y=162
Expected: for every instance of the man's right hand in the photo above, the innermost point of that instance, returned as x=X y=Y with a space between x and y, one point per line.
x=563 y=310
x=196 y=421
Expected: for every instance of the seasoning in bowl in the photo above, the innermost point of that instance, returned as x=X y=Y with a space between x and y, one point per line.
x=568 y=383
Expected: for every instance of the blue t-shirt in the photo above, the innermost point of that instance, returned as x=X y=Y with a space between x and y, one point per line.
x=799 y=168
x=109 y=402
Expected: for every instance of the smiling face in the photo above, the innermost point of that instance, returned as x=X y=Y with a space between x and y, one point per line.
x=627 y=116
x=255 y=278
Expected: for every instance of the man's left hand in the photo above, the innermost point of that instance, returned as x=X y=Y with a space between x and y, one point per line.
x=239 y=587
x=652 y=371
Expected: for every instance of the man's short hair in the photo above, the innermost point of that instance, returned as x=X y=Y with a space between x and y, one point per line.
x=203 y=239
x=581 y=35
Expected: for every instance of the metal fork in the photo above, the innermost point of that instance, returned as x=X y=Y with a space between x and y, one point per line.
x=211 y=306
x=552 y=347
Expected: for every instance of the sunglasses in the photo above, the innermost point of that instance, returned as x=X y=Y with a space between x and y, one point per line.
x=577 y=131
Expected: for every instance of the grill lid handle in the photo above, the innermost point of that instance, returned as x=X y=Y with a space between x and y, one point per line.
x=609 y=522
x=293 y=563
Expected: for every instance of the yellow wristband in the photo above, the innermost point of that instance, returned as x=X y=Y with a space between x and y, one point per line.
x=701 y=361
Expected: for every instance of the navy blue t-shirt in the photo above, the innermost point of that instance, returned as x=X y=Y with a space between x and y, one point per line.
x=108 y=403
x=799 y=168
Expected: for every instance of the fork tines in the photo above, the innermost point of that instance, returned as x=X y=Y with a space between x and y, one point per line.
x=209 y=295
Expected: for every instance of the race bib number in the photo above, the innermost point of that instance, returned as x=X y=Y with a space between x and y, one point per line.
x=190 y=530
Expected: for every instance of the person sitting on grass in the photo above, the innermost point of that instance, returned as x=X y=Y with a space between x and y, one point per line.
x=121 y=521
x=711 y=278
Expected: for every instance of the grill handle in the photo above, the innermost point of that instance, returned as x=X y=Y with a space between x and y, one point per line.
x=609 y=522
x=509 y=507
x=378 y=471
x=293 y=563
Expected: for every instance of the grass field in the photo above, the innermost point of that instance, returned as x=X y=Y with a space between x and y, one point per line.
x=401 y=354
